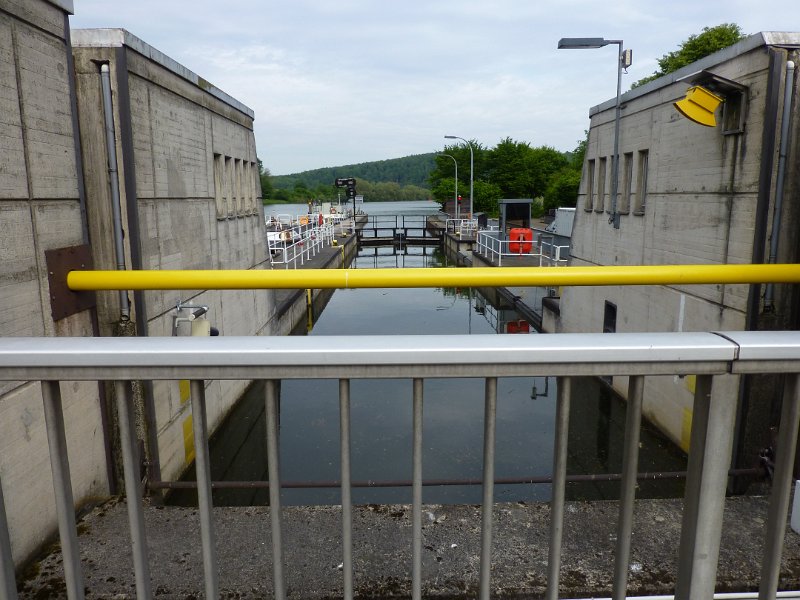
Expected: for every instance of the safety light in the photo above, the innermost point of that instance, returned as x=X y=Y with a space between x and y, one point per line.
x=699 y=106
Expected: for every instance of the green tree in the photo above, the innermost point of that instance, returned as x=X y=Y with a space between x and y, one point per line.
x=509 y=167
x=579 y=154
x=267 y=189
x=696 y=47
x=562 y=189
x=484 y=199
x=542 y=164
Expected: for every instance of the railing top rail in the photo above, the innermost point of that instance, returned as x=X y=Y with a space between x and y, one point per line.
x=78 y=358
x=431 y=277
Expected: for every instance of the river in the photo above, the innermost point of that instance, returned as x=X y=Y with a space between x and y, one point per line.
x=453 y=411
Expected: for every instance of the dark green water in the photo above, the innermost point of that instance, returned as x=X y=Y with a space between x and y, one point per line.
x=453 y=415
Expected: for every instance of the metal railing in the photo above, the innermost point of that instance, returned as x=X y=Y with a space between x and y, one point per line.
x=714 y=357
x=491 y=246
x=291 y=241
x=462 y=227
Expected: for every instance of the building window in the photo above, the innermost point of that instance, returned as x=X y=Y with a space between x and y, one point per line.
x=240 y=203
x=247 y=188
x=733 y=113
x=641 y=184
x=228 y=187
x=624 y=204
x=600 y=197
x=236 y=187
x=610 y=317
x=589 y=185
x=219 y=185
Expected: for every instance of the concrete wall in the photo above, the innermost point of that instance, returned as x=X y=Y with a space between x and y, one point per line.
x=702 y=194
x=40 y=209
x=190 y=200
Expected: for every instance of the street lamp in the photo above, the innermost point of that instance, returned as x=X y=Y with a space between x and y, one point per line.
x=455 y=197
x=471 y=169
x=623 y=60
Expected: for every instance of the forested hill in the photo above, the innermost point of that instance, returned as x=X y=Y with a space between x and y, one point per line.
x=409 y=170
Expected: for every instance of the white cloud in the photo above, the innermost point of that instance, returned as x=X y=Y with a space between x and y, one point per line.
x=358 y=80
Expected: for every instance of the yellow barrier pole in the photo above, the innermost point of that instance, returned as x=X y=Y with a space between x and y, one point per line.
x=428 y=278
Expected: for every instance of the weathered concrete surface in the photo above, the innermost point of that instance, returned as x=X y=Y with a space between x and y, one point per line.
x=382 y=551
x=40 y=209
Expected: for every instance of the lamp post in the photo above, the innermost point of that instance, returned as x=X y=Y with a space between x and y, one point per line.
x=455 y=194
x=471 y=169
x=591 y=43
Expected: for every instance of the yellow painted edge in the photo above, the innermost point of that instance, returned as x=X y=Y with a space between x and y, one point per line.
x=188 y=439
x=185 y=390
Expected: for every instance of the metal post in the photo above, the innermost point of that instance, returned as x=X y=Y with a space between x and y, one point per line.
x=133 y=490
x=347 y=502
x=489 y=420
x=615 y=158
x=116 y=212
x=781 y=488
x=559 y=486
x=273 y=468
x=471 y=169
x=455 y=193
x=694 y=467
x=709 y=458
x=8 y=585
x=630 y=463
x=416 y=504
x=204 y=500
x=62 y=487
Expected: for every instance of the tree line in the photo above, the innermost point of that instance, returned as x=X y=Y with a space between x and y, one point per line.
x=509 y=170
x=512 y=169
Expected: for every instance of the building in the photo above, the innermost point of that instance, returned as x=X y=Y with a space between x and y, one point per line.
x=694 y=194
x=174 y=186
x=188 y=198
x=42 y=210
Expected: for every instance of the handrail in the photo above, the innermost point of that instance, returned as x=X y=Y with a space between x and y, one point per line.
x=709 y=355
x=429 y=277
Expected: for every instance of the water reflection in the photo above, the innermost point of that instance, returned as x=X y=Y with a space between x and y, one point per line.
x=381 y=415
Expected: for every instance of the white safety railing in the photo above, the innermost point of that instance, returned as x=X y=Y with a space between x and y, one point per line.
x=462 y=227
x=553 y=255
x=713 y=357
x=492 y=247
x=293 y=240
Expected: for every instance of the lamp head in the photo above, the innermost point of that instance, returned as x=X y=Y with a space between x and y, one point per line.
x=581 y=43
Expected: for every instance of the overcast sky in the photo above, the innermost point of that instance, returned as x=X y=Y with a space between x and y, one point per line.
x=336 y=82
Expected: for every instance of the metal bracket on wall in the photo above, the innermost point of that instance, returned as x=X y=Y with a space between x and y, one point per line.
x=63 y=301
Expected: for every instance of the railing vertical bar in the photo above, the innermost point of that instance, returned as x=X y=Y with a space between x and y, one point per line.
x=8 y=585
x=204 y=499
x=273 y=468
x=347 y=500
x=416 y=503
x=489 y=420
x=559 y=486
x=781 y=488
x=707 y=531
x=630 y=463
x=133 y=490
x=62 y=487
x=694 y=467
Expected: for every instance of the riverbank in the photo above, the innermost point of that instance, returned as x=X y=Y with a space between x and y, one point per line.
x=382 y=551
